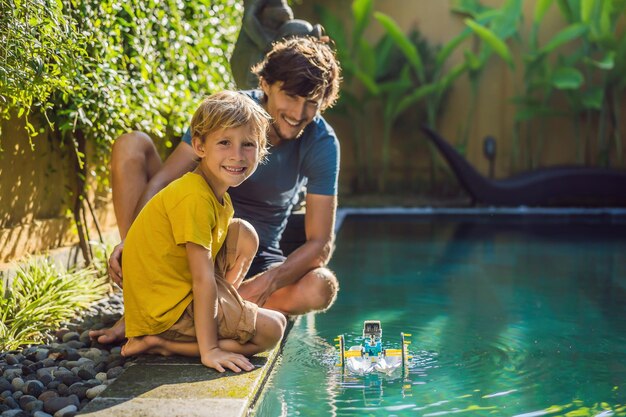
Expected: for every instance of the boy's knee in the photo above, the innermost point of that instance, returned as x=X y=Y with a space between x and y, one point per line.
x=247 y=237
x=274 y=329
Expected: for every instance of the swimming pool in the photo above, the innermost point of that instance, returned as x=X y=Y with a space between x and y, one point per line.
x=510 y=316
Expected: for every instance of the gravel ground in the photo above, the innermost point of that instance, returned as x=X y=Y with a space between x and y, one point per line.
x=59 y=378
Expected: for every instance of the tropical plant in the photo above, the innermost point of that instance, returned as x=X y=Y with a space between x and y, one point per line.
x=590 y=77
x=41 y=296
x=379 y=75
x=95 y=69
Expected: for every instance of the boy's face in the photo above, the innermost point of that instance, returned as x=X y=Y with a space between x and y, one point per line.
x=290 y=113
x=228 y=157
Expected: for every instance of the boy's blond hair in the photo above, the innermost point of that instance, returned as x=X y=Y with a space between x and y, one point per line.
x=228 y=109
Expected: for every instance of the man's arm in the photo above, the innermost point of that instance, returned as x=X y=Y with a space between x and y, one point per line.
x=319 y=224
x=205 y=312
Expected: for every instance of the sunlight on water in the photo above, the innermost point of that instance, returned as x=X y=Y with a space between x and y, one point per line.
x=504 y=322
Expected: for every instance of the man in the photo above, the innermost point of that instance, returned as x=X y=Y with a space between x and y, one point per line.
x=299 y=79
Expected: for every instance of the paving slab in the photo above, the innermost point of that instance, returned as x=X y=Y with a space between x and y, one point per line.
x=177 y=386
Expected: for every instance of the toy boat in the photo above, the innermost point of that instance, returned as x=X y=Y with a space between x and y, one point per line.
x=370 y=355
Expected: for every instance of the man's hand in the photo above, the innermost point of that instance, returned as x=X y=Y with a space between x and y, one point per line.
x=258 y=288
x=115 y=264
x=219 y=359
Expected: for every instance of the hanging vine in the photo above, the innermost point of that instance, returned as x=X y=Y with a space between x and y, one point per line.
x=95 y=69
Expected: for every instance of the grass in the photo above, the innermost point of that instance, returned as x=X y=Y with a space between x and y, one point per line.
x=41 y=296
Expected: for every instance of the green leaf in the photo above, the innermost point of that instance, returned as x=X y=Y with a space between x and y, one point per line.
x=403 y=42
x=505 y=24
x=367 y=81
x=529 y=113
x=566 y=35
x=449 y=47
x=366 y=58
x=567 y=78
x=498 y=46
x=362 y=12
x=416 y=96
x=587 y=8
x=468 y=7
x=472 y=60
x=335 y=29
x=565 y=10
x=606 y=63
x=541 y=7
x=593 y=98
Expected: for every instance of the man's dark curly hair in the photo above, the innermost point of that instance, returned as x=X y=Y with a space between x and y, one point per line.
x=306 y=66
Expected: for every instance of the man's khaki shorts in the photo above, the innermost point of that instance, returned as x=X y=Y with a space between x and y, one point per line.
x=236 y=316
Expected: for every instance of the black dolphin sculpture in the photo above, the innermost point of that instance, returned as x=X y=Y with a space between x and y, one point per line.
x=553 y=186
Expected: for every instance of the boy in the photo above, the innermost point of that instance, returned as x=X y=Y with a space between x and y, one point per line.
x=182 y=260
x=299 y=80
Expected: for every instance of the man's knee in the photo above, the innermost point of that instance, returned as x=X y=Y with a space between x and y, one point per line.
x=132 y=145
x=325 y=287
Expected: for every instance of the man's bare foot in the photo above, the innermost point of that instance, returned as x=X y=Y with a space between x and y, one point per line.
x=111 y=335
x=144 y=344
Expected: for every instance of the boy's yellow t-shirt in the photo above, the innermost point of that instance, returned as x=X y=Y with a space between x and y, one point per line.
x=157 y=280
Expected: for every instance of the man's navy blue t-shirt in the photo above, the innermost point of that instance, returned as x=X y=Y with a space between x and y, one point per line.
x=267 y=197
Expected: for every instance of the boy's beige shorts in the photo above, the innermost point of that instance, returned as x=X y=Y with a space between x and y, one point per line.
x=236 y=316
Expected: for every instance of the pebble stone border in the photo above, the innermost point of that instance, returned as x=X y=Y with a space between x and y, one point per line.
x=60 y=378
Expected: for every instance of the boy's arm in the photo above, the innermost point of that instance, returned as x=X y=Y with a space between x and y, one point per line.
x=205 y=313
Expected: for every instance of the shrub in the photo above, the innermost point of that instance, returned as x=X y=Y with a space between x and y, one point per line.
x=42 y=296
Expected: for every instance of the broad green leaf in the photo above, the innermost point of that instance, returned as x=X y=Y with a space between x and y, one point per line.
x=529 y=113
x=361 y=12
x=335 y=29
x=606 y=63
x=382 y=51
x=416 y=96
x=403 y=42
x=592 y=99
x=498 y=46
x=587 y=8
x=541 y=7
x=367 y=81
x=472 y=60
x=565 y=10
x=505 y=24
x=567 y=35
x=567 y=78
x=469 y=7
x=445 y=82
x=449 y=47
x=366 y=58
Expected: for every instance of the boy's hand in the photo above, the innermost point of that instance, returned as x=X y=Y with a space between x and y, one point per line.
x=115 y=264
x=219 y=359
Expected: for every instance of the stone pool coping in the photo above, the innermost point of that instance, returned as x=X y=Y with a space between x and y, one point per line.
x=563 y=213
x=157 y=386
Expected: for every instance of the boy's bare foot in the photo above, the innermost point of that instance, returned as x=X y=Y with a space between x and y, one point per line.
x=144 y=344
x=110 y=335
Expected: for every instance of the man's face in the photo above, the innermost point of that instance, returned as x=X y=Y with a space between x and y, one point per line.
x=290 y=113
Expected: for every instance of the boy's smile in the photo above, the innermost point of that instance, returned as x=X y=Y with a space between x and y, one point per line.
x=228 y=157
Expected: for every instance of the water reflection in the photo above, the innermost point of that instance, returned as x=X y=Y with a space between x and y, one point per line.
x=507 y=319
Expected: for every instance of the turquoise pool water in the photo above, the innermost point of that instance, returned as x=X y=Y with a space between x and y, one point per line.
x=508 y=316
